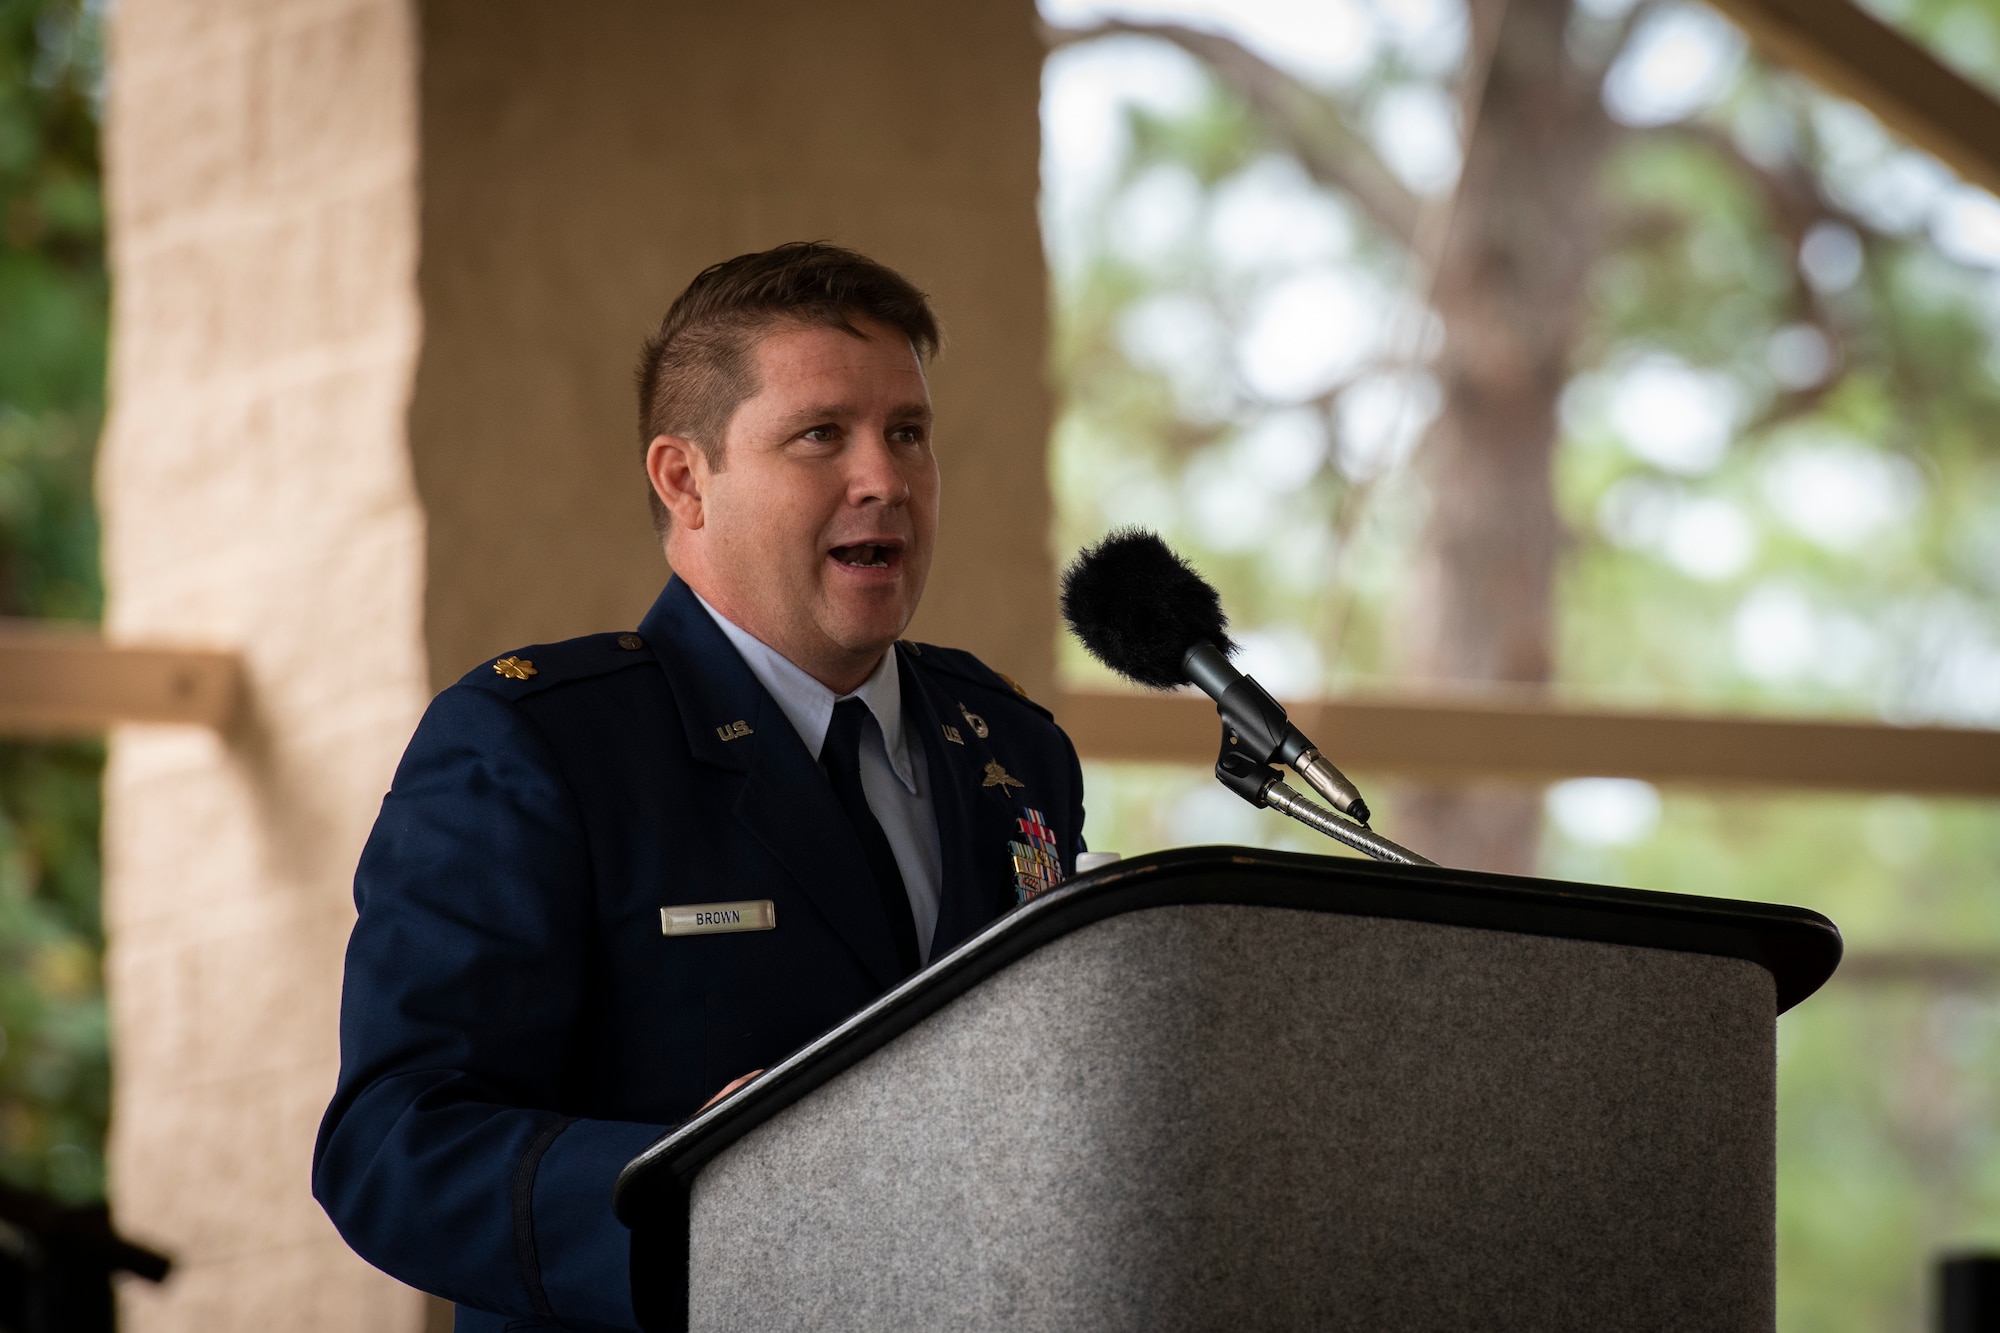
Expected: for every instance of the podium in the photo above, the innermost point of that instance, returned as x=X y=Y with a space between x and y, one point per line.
x=1220 y=1088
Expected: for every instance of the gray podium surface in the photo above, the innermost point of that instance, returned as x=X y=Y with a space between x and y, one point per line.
x=1208 y=1106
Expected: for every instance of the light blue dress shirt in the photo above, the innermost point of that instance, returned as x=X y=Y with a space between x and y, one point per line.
x=896 y=783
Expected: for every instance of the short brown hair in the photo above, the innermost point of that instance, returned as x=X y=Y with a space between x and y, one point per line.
x=697 y=367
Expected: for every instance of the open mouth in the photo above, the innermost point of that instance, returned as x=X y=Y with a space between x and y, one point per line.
x=868 y=555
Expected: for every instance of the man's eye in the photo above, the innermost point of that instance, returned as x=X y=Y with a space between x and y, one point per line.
x=908 y=435
x=822 y=434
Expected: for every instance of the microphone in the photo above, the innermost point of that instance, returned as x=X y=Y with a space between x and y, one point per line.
x=1145 y=613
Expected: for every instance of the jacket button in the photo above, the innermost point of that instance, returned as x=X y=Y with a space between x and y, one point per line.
x=629 y=642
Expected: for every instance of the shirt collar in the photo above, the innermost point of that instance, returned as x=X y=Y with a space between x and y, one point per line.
x=809 y=705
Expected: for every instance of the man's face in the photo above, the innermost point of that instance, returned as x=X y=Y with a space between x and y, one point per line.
x=816 y=533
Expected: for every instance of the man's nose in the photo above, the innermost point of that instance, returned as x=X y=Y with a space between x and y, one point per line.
x=875 y=473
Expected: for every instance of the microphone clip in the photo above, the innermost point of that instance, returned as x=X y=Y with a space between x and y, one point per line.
x=1239 y=768
x=1245 y=770
x=1255 y=725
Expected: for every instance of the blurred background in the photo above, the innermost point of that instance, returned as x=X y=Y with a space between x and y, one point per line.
x=1758 y=470
x=54 y=1073
x=1565 y=354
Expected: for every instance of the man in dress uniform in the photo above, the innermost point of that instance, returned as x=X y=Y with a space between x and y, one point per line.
x=616 y=874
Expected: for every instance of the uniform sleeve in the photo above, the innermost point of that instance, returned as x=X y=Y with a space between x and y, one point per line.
x=444 y=1159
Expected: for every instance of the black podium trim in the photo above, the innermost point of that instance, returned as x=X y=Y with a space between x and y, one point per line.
x=1799 y=948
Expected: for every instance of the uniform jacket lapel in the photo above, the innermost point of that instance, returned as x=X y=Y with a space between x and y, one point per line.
x=972 y=825
x=785 y=801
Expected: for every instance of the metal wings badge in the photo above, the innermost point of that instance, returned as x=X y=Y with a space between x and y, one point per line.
x=1037 y=864
x=997 y=776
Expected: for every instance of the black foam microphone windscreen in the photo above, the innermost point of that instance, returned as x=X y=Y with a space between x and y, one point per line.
x=1138 y=608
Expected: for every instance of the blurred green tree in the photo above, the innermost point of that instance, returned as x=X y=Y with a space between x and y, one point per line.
x=54 y=1076
x=1669 y=390
x=1766 y=253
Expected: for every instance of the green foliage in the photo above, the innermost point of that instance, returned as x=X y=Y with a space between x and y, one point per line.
x=54 y=1072
x=53 y=308
x=1141 y=440
x=1722 y=582
x=1886 y=1104
x=52 y=285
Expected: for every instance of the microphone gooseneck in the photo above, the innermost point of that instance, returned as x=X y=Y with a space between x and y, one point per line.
x=1358 y=836
x=1145 y=613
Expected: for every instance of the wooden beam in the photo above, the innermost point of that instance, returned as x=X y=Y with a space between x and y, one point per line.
x=1936 y=969
x=1855 y=55
x=62 y=682
x=56 y=682
x=1539 y=742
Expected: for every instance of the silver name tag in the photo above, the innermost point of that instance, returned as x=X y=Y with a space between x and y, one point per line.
x=719 y=918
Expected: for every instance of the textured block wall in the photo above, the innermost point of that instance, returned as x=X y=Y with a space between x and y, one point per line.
x=257 y=494
x=578 y=171
x=380 y=270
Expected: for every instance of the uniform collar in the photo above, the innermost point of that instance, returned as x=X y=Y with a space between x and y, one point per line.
x=809 y=704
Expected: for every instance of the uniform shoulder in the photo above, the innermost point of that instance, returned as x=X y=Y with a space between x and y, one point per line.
x=539 y=666
x=958 y=663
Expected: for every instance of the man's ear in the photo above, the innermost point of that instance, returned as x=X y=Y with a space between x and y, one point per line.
x=678 y=469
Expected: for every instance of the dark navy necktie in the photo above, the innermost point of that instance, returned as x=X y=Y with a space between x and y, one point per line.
x=841 y=757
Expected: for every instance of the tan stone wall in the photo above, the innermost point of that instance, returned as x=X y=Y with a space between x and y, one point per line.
x=578 y=173
x=256 y=494
x=367 y=472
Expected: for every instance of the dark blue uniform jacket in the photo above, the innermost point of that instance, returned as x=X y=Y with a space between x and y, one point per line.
x=514 y=1024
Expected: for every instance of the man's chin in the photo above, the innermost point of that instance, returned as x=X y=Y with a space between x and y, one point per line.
x=866 y=630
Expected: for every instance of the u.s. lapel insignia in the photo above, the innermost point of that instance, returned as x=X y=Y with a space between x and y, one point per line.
x=997 y=776
x=951 y=734
x=732 y=730
x=973 y=720
x=514 y=668
x=1037 y=865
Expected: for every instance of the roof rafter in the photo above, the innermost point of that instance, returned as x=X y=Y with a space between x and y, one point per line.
x=1855 y=55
